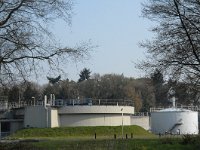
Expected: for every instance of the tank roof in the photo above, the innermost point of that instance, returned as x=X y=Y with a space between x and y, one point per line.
x=175 y=110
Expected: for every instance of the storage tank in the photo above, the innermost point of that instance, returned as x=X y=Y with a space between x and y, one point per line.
x=175 y=121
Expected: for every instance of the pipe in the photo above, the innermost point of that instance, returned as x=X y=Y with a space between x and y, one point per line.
x=174 y=101
x=46 y=108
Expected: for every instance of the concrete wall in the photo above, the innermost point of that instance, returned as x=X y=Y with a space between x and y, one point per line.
x=96 y=110
x=35 y=116
x=142 y=121
x=95 y=115
x=94 y=120
x=54 y=118
x=16 y=125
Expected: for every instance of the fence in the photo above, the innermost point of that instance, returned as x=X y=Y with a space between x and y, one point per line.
x=192 y=108
x=114 y=102
x=5 y=105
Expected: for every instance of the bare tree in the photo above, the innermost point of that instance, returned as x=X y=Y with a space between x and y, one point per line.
x=175 y=49
x=25 y=39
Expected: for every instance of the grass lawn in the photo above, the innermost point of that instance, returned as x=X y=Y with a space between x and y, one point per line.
x=130 y=144
x=82 y=138
x=83 y=132
x=104 y=144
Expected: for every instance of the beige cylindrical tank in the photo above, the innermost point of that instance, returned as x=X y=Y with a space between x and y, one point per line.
x=175 y=121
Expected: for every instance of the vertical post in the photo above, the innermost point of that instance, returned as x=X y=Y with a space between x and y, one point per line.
x=0 y=131
x=45 y=106
x=0 y=68
x=51 y=99
x=45 y=101
x=19 y=99
x=33 y=101
x=174 y=101
x=95 y=136
x=54 y=100
x=115 y=136
x=122 y=123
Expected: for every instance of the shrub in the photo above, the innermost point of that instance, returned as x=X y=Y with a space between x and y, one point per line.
x=167 y=141
x=188 y=139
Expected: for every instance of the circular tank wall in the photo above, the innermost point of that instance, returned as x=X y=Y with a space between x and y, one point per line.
x=175 y=121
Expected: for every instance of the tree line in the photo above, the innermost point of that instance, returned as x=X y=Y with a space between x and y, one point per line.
x=144 y=92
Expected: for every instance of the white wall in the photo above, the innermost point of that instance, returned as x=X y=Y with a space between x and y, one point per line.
x=94 y=120
x=35 y=116
x=95 y=115
x=142 y=121
x=54 y=118
x=164 y=121
x=96 y=110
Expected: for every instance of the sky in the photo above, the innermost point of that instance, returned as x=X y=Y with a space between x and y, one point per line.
x=116 y=27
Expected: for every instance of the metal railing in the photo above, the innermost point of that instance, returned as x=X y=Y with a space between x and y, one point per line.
x=141 y=114
x=114 y=102
x=66 y=102
x=192 y=108
x=10 y=105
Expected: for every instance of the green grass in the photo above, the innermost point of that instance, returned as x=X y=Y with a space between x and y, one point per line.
x=106 y=144
x=81 y=132
x=82 y=138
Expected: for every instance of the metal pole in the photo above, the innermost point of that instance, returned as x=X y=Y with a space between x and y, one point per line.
x=0 y=131
x=122 y=123
x=45 y=106
x=33 y=101
x=54 y=100
x=0 y=66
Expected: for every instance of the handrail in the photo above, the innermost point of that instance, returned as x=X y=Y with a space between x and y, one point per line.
x=5 y=105
x=193 y=108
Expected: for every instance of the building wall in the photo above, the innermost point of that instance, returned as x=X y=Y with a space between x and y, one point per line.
x=54 y=118
x=142 y=121
x=95 y=115
x=94 y=120
x=35 y=116
x=16 y=125
x=96 y=110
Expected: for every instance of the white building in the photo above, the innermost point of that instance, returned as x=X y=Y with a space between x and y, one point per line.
x=74 y=113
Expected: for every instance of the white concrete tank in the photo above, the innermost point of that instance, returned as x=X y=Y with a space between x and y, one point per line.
x=175 y=121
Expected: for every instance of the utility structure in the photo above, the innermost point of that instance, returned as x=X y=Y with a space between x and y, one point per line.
x=52 y=112
x=174 y=120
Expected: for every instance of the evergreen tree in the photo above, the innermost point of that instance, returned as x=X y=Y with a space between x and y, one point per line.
x=84 y=75
x=54 y=80
x=159 y=90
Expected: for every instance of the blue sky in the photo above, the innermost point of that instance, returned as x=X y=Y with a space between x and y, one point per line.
x=116 y=26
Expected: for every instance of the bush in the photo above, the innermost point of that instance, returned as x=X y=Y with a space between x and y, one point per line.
x=167 y=141
x=16 y=146
x=188 y=139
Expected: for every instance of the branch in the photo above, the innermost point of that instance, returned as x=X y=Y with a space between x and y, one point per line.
x=186 y=31
x=11 y=12
x=60 y=51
